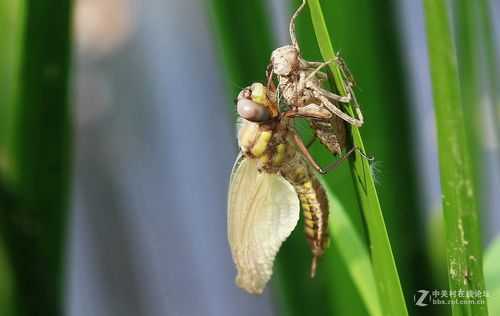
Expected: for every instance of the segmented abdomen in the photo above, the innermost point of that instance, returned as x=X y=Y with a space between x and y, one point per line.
x=314 y=204
x=331 y=133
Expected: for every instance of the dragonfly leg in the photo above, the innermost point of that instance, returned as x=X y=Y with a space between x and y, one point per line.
x=332 y=96
x=312 y=110
x=269 y=74
x=339 y=161
x=314 y=264
x=348 y=77
x=357 y=122
x=303 y=149
x=346 y=72
x=355 y=103
x=318 y=67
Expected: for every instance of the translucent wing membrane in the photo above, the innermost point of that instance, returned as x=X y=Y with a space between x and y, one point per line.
x=263 y=209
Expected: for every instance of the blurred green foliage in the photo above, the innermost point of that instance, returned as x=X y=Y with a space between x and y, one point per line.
x=488 y=40
x=35 y=147
x=245 y=41
x=10 y=17
x=492 y=276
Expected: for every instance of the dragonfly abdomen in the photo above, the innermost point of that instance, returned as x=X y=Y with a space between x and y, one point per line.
x=314 y=205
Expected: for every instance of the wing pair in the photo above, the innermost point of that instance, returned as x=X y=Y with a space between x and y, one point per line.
x=263 y=210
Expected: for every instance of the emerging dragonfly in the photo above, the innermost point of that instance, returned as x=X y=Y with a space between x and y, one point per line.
x=270 y=178
x=299 y=84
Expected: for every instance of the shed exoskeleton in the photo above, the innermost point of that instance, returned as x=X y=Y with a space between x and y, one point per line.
x=299 y=84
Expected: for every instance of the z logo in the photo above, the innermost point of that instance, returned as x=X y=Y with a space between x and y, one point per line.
x=419 y=300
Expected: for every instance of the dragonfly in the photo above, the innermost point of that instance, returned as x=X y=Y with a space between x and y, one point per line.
x=270 y=181
x=300 y=85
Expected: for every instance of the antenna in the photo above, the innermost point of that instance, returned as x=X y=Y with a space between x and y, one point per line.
x=292 y=25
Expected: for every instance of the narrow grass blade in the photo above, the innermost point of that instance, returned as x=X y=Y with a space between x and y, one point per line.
x=11 y=20
x=468 y=70
x=6 y=284
x=464 y=253
x=492 y=276
x=436 y=248
x=467 y=55
x=373 y=51
x=388 y=283
x=354 y=253
x=34 y=200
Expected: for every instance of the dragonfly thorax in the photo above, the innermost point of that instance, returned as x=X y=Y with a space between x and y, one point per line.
x=269 y=143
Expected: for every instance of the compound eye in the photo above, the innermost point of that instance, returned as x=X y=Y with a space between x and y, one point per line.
x=252 y=111
x=245 y=94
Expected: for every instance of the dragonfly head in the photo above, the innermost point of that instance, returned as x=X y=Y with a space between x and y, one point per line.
x=285 y=60
x=254 y=104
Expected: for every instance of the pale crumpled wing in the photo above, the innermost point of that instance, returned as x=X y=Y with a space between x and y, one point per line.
x=263 y=209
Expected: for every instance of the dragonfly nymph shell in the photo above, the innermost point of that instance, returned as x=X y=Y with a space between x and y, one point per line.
x=331 y=133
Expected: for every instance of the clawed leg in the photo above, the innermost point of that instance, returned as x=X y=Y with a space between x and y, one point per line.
x=300 y=144
x=325 y=96
x=269 y=74
x=335 y=110
x=303 y=149
x=310 y=83
x=306 y=82
x=346 y=72
x=310 y=64
x=334 y=97
x=312 y=110
x=349 y=78
x=319 y=66
x=356 y=107
x=339 y=161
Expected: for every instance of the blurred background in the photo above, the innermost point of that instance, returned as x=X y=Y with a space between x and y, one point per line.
x=151 y=85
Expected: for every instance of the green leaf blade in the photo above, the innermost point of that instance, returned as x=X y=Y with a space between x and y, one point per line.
x=464 y=254
x=388 y=282
x=35 y=183
x=353 y=252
